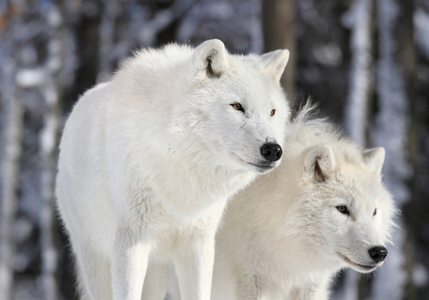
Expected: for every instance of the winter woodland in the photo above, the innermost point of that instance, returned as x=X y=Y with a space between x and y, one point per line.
x=366 y=62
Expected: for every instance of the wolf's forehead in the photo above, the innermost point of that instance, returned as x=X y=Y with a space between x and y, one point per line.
x=256 y=88
x=365 y=194
x=357 y=184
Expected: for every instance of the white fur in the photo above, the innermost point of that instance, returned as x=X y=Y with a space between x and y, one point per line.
x=149 y=159
x=283 y=237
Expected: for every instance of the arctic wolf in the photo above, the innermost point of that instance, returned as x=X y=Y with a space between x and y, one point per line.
x=148 y=160
x=323 y=209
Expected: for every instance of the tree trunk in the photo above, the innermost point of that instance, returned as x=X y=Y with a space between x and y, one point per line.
x=359 y=20
x=11 y=164
x=12 y=141
x=391 y=132
x=48 y=140
x=278 y=17
x=360 y=78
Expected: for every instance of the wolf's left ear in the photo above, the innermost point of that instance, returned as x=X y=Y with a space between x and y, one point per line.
x=274 y=63
x=210 y=58
x=319 y=163
x=374 y=159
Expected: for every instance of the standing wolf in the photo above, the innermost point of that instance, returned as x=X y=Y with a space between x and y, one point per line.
x=148 y=160
x=324 y=208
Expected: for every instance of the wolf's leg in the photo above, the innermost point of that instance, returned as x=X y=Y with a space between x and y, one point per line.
x=195 y=255
x=156 y=281
x=173 y=286
x=94 y=274
x=82 y=290
x=129 y=264
x=194 y=267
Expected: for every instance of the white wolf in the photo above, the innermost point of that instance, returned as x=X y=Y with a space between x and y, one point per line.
x=324 y=208
x=148 y=160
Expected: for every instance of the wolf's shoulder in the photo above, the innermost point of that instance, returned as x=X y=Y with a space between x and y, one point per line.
x=157 y=57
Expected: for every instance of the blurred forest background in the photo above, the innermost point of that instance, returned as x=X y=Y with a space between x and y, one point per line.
x=366 y=62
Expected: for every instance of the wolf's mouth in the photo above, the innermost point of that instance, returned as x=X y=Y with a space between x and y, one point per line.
x=365 y=268
x=263 y=168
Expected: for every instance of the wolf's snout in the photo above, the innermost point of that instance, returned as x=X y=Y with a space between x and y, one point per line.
x=271 y=152
x=378 y=254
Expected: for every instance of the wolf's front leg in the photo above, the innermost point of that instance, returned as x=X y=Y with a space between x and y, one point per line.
x=194 y=268
x=129 y=264
x=156 y=281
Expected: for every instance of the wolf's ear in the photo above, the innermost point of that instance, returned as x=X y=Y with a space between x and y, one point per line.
x=274 y=63
x=210 y=58
x=374 y=159
x=319 y=163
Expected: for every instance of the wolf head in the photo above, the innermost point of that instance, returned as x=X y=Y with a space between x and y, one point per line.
x=349 y=211
x=236 y=106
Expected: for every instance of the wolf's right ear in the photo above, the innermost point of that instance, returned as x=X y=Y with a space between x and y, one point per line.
x=210 y=58
x=274 y=63
x=374 y=159
x=319 y=163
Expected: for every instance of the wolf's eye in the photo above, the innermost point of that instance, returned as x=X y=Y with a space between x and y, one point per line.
x=375 y=212
x=237 y=106
x=273 y=112
x=343 y=209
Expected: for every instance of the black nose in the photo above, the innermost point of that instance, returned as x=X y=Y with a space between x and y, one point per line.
x=378 y=254
x=271 y=151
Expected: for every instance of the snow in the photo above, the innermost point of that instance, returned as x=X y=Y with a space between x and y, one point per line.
x=30 y=78
x=54 y=17
x=48 y=140
x=22 y=231
x=421 y=31
x=420 y=275
x=329 y=54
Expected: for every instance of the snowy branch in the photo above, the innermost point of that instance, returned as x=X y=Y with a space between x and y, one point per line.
x=30 y=78
x=162 y=20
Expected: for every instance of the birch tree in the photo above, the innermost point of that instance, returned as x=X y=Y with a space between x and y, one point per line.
x=358 y=19
x=12 y=139
x=48 y=149
x=45 y=78
x=391 y=124
x=10 y=174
